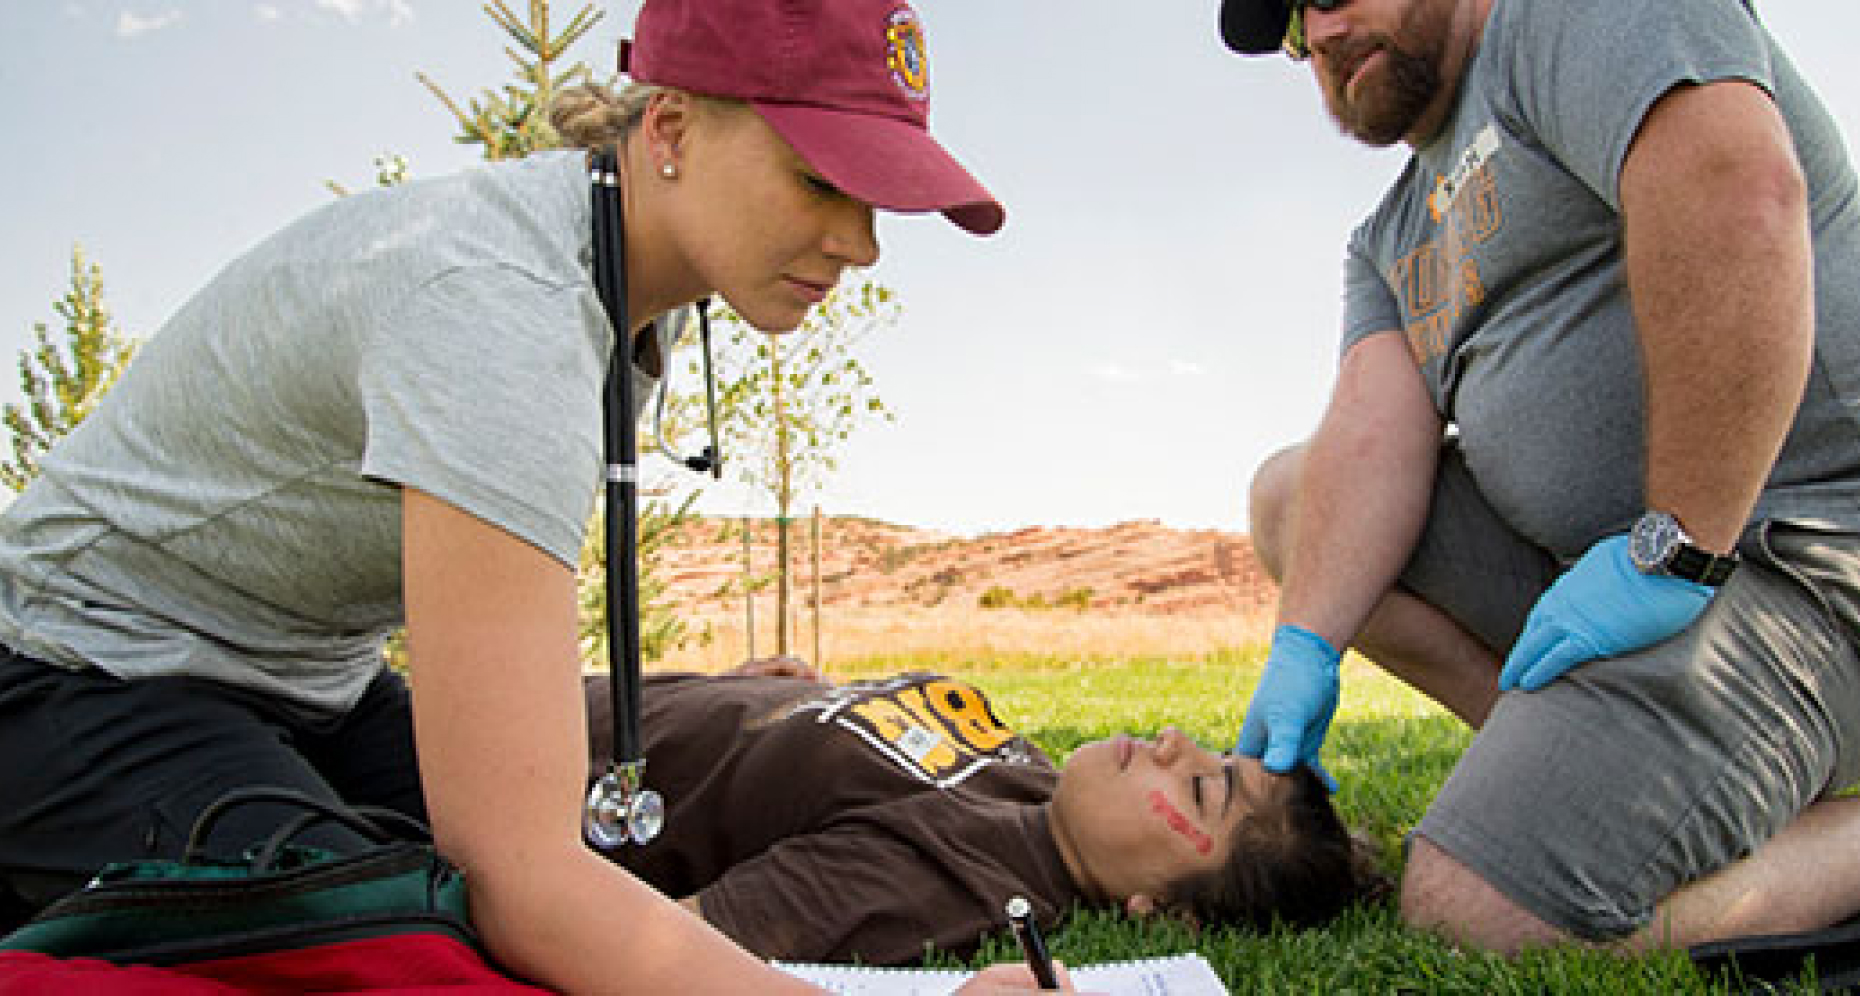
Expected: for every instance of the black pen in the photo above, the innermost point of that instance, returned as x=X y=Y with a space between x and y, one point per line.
x=1020 y=919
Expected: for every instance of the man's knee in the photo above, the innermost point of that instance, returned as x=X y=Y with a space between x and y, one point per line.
x=1271 y=502
x=1441 y=895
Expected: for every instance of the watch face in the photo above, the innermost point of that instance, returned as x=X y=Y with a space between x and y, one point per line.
x=1653 y=541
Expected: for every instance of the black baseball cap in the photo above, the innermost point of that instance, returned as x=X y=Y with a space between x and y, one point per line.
x=1255 y=27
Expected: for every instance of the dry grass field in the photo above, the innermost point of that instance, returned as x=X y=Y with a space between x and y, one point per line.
x=849 y=635
x=1135 y=589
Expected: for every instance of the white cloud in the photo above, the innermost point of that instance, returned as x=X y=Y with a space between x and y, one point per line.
x=400 y=12
x=1186 y=368
x=1114 y=373
x=130 y=24
x=267 y=12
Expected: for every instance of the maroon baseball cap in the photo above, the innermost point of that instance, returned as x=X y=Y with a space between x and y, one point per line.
x=845 y=82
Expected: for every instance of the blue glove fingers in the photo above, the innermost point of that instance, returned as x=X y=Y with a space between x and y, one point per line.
x=1542 y=633
x=1538 y=637
x=1569 y=652
x=1281 y=757
x=1292 y=707
x=1601 y=607
x=1288 y=739
x=1252 y=742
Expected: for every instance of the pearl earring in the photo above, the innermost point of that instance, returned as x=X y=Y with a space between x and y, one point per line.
x=668 y=171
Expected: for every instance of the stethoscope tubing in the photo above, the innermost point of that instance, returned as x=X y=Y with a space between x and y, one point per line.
x=621 y=445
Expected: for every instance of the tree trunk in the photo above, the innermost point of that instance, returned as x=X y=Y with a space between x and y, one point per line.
x=784 y=496
x=749 y=599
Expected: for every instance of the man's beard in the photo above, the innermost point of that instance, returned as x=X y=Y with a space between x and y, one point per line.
x=1386 y=108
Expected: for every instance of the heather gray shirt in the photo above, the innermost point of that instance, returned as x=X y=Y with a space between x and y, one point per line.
x=1498 y=254
x=230 y=510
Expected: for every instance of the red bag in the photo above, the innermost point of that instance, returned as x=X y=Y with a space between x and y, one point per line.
x=401 y=964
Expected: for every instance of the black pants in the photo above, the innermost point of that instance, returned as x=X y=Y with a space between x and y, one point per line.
x=95 y=769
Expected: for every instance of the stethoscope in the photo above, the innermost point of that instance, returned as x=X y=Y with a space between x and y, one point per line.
x=620 y=808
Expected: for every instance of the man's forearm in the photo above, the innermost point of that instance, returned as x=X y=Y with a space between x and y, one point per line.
x=1720 y=268
x=1363 y=492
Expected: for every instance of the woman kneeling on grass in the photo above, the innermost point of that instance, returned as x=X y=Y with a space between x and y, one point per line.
x=866 y=821
x=392 y=410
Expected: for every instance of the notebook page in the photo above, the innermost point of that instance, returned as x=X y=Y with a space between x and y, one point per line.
x=1172 y=975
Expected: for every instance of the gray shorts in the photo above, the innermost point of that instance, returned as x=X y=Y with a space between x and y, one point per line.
x=1591 y=800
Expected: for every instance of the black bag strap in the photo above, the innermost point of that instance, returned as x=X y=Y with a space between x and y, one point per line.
x=1767 y=963
x=381 y=826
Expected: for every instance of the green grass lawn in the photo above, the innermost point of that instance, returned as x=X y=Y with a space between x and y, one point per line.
x=1388 y=747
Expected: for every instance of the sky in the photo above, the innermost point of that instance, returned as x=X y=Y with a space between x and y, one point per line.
x=1158 y=316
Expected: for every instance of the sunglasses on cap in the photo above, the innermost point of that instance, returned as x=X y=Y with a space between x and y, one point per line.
x=1295 y=28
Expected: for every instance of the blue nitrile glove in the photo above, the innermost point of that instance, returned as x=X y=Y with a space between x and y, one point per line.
x=1291 y=709
x=1601 y=607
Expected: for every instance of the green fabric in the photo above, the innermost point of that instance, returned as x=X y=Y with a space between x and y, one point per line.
x=169 y=911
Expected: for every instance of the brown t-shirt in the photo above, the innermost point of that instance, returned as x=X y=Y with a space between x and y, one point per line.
x=858 y=822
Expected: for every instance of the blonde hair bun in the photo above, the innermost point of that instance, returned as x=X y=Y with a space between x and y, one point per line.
x=592 y=116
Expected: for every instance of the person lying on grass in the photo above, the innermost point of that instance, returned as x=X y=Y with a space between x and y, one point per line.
x=872 y=820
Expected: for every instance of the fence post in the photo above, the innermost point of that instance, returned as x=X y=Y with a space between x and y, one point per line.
x=749 y=598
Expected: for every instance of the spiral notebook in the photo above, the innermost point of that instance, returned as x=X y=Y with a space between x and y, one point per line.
x=1172 y=975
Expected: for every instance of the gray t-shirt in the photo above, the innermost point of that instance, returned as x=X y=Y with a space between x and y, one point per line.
x=1498 y=254
x=230 y=510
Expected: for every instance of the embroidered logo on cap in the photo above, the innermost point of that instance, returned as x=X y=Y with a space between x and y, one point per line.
x=910 y=67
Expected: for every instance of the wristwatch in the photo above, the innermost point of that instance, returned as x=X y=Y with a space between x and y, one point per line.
x=1658 y=545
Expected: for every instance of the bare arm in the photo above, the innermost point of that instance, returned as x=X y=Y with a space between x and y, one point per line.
x=784 y=666
x=1720 y=268
x=1363 y=495
x=499 y=720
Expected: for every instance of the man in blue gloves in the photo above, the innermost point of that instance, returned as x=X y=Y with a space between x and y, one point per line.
x=1590 y=472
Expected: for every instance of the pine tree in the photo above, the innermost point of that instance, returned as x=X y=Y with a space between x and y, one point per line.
x=63 y=379
x=514 y=122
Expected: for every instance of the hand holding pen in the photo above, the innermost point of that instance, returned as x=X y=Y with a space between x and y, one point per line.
x=1045 y=974
x=1020 y=920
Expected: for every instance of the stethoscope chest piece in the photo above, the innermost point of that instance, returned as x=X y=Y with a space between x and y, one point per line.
x=622 y=811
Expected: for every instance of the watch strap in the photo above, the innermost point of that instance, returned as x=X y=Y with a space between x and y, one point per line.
x=1699 y=566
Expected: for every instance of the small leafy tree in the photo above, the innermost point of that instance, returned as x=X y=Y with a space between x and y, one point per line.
x=798 y=397
x=63 y=378
x=390 y=171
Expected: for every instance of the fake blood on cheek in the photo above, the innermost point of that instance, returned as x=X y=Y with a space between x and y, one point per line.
x=1203 y=843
